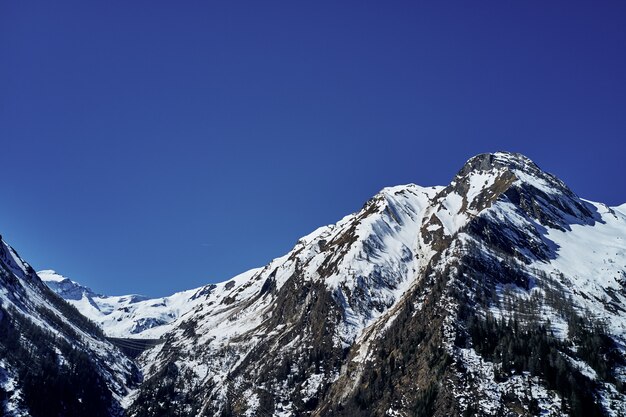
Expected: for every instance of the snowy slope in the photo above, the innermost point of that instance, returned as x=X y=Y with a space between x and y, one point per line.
x=33 y=319
x=362 y=265
x=568 y=259
x=593 y=260
x=132 y=316
x=383 y=238
x=314 y=328
x=327 y=255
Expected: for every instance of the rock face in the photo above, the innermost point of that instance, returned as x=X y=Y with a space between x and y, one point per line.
x=502 y=293
x=53 y=360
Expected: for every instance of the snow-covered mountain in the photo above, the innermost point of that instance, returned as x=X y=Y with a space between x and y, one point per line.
x=66 y=288
x=53 y=361
x=500 y=294
x=126 y=316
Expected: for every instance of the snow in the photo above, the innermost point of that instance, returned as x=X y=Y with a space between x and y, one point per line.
x=593 y=259
x=538 y=183
x=478 y=182
x=50 y=275
x=451 y=216
x=136 y=316
x=12 y=260
x=390 y=239
x=253 y=403
x=17 y=260
x=585 y=369
x=311 y=386
x=621 y=208
x=481 y=373
x=311 y=237
x=9 y=384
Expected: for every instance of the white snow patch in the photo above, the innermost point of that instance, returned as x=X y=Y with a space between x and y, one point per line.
x=311 y=386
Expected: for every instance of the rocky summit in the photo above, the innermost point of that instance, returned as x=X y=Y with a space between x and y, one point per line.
x=500 y=294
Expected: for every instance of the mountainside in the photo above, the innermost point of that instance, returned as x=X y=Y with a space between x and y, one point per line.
x=53 y=361
x=502 y=293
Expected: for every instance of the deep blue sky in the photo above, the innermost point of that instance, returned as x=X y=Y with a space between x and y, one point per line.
x=155 y=146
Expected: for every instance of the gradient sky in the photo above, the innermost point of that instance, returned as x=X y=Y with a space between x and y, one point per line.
x=154 y=146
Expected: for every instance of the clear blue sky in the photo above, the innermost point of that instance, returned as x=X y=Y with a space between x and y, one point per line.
x=155 y=146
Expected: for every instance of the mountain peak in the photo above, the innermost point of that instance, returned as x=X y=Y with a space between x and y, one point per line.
x=495 y=173
x=65 y=287
x=51 y=275
x=497 y=161
x=511 y=178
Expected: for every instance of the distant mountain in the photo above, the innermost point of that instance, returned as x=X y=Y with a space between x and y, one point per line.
x=65 y=287
x=54 y=361
x=126 y=316
x=500 y=294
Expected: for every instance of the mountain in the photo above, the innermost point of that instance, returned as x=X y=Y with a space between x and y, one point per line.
x=54 y=361
x=65 y=287
x=127 y=316
x=502 y=293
